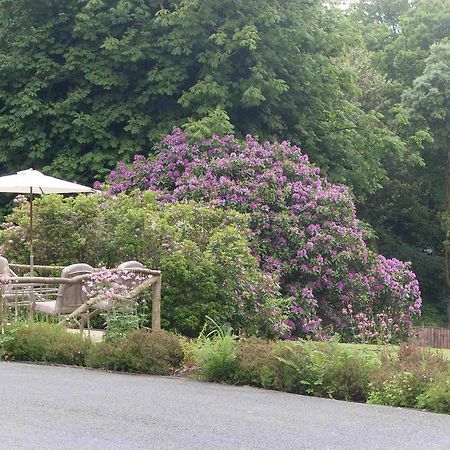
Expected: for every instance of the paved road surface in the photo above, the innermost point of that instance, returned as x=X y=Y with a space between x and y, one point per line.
x=45 y=407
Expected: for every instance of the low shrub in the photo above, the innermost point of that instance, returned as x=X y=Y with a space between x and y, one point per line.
x=46 y=343
x=284 y=368
x=141 y=351
x=4 y=338
x=215 y=351
x=437 y=396
x=402 y=389
x=322 y=369
x=253 y=356
x=348 y=375
x=404 y=376
x=216 y=357
x=427 y=363
x=188 y=346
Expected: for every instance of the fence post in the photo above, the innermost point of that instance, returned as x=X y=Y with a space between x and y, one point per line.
x=156 y=304
x=2 y=310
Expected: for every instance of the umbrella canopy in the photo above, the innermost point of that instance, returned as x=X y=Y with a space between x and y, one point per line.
x=34 y=182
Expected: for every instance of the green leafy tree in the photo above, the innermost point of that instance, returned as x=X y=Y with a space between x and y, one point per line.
x=371 y=85
x=428 y=106
x=400 y=33
x=84 y=83
x=407 y=213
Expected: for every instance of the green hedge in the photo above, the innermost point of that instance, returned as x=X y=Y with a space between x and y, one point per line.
x=46 y=343
x=155 y=353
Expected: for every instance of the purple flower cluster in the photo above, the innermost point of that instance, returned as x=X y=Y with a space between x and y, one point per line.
x=305 y=231
x=113 y=286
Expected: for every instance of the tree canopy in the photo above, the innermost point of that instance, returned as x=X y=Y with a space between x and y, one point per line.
x=85 y=83
x=408 y=42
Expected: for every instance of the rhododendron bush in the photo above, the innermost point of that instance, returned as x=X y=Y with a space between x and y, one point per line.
x=304 y=231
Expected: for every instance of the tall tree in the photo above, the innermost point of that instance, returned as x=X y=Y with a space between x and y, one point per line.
x=400 y=34
x=406 y=213
x=428 y=105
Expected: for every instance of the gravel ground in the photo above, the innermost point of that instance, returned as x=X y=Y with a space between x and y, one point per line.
x=43 y=407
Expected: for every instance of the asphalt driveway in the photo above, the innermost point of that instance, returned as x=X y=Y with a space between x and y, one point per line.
x=44 y=407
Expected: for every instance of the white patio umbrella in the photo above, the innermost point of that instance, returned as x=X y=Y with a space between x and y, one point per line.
x=34 y=182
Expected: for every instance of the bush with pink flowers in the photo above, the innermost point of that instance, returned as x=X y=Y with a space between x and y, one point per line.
x=305 y=231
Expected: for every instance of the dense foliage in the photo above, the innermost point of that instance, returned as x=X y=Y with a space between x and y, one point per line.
x=155 y=353
x=203 y=252
x=44 y=342
x=304 y=230
x=409 y=376
x=84 y=83
x=406 y=42
x=414 y=377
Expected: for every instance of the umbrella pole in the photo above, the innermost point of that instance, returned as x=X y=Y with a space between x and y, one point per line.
x=31 y=233
x=30 y=318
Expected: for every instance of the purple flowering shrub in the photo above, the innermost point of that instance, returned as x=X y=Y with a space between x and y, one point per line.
x=112 y=289
x=305 y=231
x=113 y=286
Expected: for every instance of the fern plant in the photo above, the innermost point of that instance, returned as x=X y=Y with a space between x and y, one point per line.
x=216 y=351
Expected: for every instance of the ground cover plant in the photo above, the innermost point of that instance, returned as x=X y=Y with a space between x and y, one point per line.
x=436 y=396
x=304 y=231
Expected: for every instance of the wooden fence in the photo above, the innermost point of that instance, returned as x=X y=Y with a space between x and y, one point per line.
x=433 y=336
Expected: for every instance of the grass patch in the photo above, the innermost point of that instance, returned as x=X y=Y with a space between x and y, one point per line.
x=375 y=349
